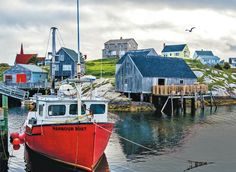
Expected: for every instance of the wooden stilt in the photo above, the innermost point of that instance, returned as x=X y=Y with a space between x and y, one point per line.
x=172 y=107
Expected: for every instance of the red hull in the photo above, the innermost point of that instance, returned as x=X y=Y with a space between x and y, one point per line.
x=80 y=145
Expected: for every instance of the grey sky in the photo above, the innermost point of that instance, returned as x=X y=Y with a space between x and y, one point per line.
x=151 y=23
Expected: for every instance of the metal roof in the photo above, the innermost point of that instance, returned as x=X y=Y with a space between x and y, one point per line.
x=173 y=48
x=157 y=66
x=204 y=53
x=32 y=68
x=121 y=40
x=141 y=52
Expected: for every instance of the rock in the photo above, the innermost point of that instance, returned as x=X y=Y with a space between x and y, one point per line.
x=199 y=74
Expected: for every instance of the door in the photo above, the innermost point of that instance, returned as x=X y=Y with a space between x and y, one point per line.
x=161 y=81
x=21 y=78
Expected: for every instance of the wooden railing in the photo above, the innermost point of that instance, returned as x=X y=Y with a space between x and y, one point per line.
x=179 y=89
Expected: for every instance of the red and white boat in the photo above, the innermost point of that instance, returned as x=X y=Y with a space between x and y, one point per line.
x=67 y=128
x=56 y=131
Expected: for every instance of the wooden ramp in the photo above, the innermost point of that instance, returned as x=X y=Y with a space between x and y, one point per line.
x=13 y=92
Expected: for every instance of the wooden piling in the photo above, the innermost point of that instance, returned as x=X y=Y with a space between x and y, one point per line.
x=193 y=106
x=4 y=155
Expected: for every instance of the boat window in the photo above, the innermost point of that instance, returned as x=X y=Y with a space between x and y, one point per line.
x=97 y=108
x=56 y=110
x=73 y=109
x=40 y=110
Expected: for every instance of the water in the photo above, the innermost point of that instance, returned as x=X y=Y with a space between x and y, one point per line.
x=206 y=137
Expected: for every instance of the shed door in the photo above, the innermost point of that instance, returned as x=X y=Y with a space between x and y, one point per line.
x=21 y=78
x=161 y=81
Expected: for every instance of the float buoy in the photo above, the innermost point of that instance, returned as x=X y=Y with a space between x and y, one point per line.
x=22 y=136
x=16 y=147
x=16 y=142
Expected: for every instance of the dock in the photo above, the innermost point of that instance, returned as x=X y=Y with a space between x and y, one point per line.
x=4 y=155
x=174 y=97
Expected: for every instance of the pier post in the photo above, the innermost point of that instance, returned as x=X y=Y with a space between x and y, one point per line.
x=4 y=131
x=184 y=106
x=193 y=106
x=141 y=97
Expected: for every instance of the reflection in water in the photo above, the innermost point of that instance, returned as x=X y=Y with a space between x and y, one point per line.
x=38 y=163
x=159 y=134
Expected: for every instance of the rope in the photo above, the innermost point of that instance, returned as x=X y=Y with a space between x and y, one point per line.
x=47 y=43
x=61 y=37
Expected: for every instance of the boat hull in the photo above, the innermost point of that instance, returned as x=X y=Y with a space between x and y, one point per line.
x=80 y=145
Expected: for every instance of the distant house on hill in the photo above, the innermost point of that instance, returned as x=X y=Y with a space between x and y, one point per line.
x=23 y=58
x=25 y=76
x=139 y=73
x=179 y=51
x=118 y=47
x=232 y=62
x=66 y=63
x=206 y=57
x=142 y=52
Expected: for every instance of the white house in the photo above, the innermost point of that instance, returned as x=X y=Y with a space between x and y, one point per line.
x=206 y=57
x=232 y=62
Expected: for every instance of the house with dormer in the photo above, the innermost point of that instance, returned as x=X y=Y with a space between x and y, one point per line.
x=178 y=51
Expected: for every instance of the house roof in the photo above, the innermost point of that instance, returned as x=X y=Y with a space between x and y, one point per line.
x=204 y=53
x=41 y=58
x=121 y=40
x=73 y=54
x=173 y=48
x=156 y=66
x=141 y=52
x=209 y=57
x=23 y=58
x=32 y=68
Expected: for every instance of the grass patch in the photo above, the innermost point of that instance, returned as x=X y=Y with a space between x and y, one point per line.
x=106 y=67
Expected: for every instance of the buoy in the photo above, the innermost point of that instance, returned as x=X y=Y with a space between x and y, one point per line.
x=16 y=147
x=22 y=136
x=14 y=135
x=16 y=142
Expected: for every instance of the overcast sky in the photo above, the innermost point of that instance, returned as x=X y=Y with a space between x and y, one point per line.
x=151 y=23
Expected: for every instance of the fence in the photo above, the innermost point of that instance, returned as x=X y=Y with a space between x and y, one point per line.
x=179 y=89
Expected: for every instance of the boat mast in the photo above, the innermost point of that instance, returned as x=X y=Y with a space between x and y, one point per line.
x=79 y=62
x=53 y=29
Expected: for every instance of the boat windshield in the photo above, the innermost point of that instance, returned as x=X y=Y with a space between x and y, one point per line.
x=74 y=107
x=56 y=110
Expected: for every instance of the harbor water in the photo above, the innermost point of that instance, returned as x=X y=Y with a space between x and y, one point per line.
x=144 y=142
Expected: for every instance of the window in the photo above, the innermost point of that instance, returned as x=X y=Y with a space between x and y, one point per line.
x=62 y=57
x=176 y=54
x=67 y=67
x=40 y=110
x=181 y=81
x=56 y=67
x=56 y=110
x=73 y=109
x=97 y=108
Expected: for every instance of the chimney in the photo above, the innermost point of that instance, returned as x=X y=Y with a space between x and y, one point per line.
x=121 y=37
x=21 y=49
x=164 y=45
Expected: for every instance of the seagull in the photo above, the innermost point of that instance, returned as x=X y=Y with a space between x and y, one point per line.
x=190 y=30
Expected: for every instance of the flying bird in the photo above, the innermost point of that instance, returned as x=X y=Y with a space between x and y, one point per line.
x=190 y=30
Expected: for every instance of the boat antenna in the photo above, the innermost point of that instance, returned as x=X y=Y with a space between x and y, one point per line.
x=53 y=65
x=78 y=85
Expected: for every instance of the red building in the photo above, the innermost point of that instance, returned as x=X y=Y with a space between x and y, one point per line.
x=24 y=58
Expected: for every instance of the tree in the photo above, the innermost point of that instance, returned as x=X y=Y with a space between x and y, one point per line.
x=217 y=66
x=33 y=60
x=226 y=66
x=4 y=65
